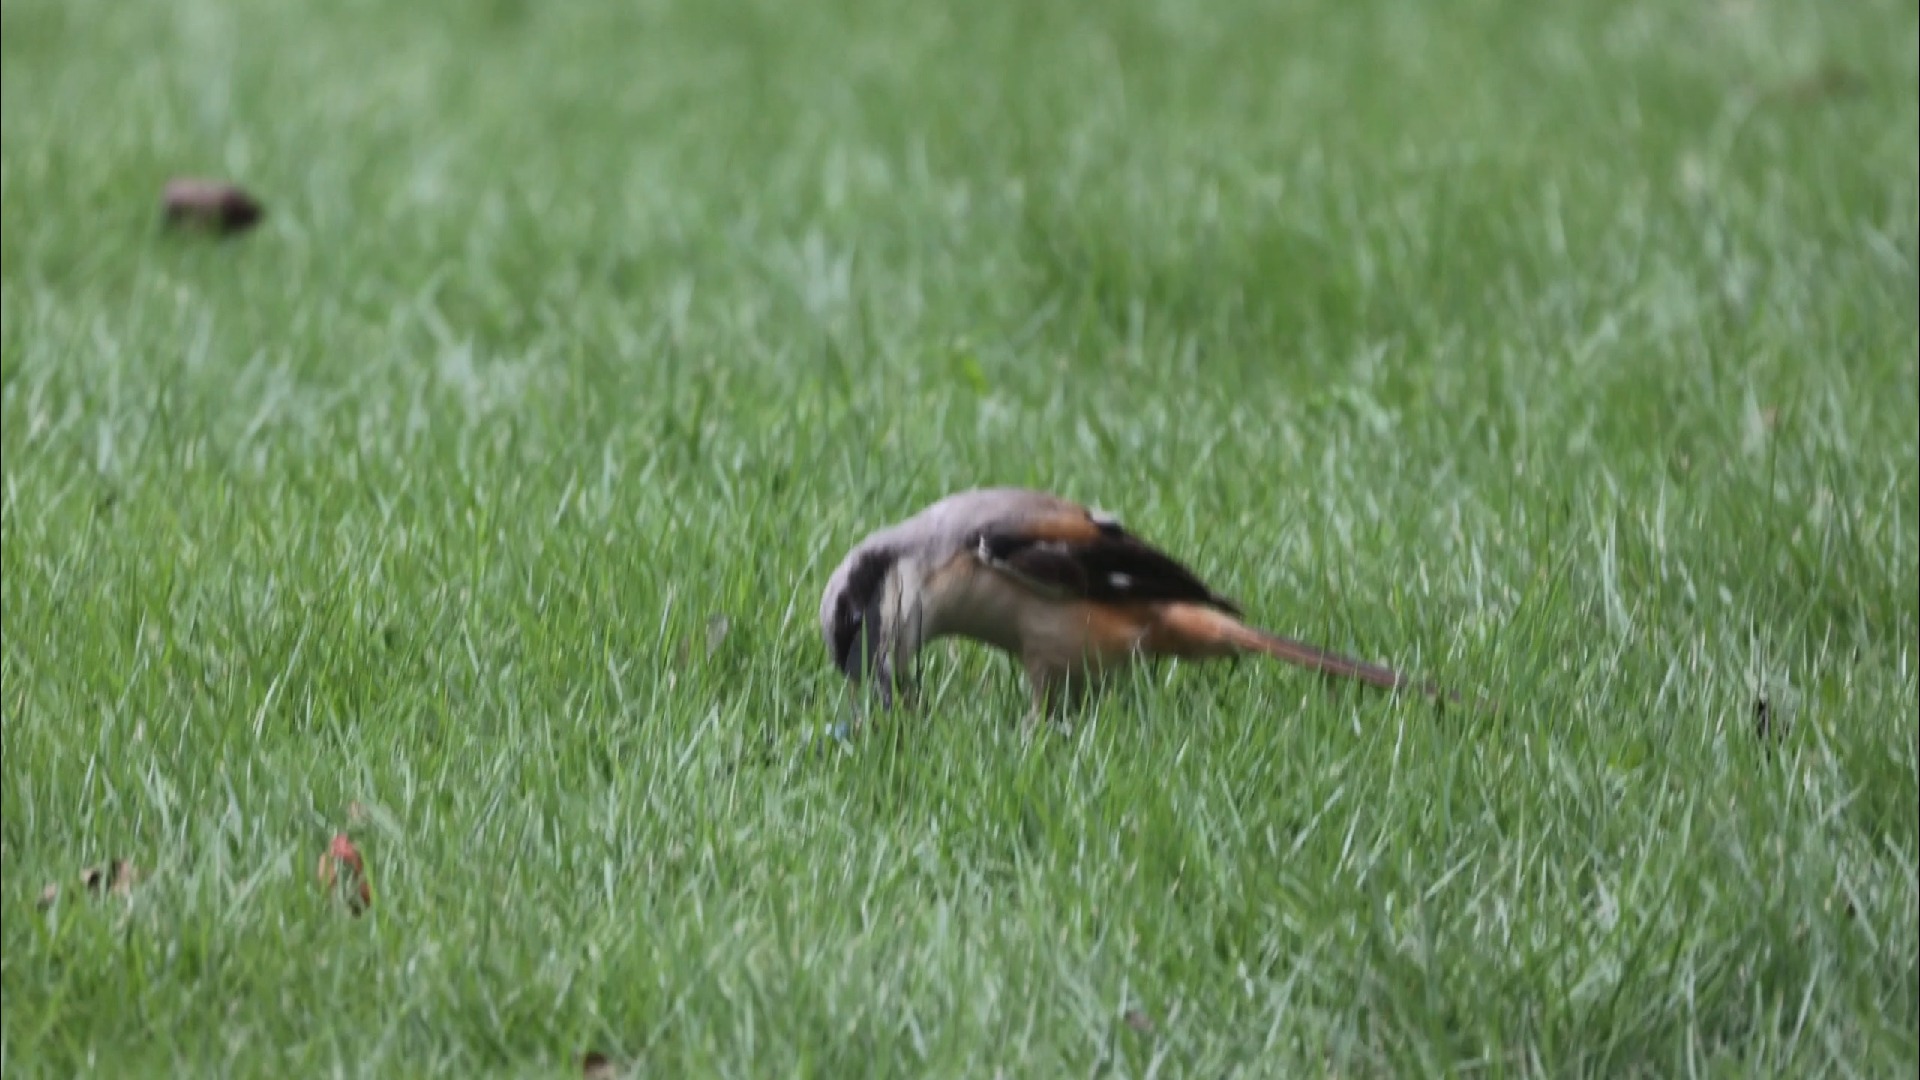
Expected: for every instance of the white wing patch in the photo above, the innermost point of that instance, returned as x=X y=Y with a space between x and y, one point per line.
x=1123 y=582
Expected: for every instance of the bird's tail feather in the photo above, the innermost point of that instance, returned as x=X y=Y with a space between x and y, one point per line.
x=1225 y=630
x=1315 y=658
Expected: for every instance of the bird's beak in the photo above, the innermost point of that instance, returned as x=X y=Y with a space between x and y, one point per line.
x=872 y=659
x=861 y=654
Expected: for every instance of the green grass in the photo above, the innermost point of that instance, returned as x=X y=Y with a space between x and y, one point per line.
x=1564 y=352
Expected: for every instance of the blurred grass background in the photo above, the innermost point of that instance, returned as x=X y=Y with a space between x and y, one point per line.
x=479 y=503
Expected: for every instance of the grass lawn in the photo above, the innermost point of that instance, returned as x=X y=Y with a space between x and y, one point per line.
x=478 y=505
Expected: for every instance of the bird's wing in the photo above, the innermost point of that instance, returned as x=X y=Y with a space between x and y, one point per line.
x=1075 y=554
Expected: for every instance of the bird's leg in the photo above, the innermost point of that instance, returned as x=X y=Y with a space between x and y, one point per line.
x=1056 y=694
x=1047 y=691
x=1036 y=716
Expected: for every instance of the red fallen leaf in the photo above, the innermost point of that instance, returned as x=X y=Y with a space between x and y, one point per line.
x=343 y=873
x=210 y=204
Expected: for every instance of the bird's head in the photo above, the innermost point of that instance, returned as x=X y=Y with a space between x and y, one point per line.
x=870 y=616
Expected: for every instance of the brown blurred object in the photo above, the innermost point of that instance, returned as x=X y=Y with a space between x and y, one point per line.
x=117 y=877
x=1829 y=82
x=595 y=1065
x=342 y=873
x=1765 y=724
x=214 y=205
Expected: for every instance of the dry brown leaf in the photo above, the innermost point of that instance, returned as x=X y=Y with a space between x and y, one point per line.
x=214 y=205
x=343 y=874
x=117 y=877
x=1829 y=82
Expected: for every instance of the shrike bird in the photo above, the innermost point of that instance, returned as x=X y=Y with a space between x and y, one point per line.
x=1065 y=590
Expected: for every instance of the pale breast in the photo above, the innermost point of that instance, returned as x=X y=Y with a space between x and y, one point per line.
x=1044 y=632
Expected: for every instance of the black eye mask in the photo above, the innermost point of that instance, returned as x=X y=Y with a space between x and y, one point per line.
x=864 y=583
x=846 y=634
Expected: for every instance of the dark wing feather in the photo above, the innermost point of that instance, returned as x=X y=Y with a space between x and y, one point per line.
x=1107 y=565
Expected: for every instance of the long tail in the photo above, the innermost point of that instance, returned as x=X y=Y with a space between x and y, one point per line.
x=1314 y=658
x=1222 y=633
